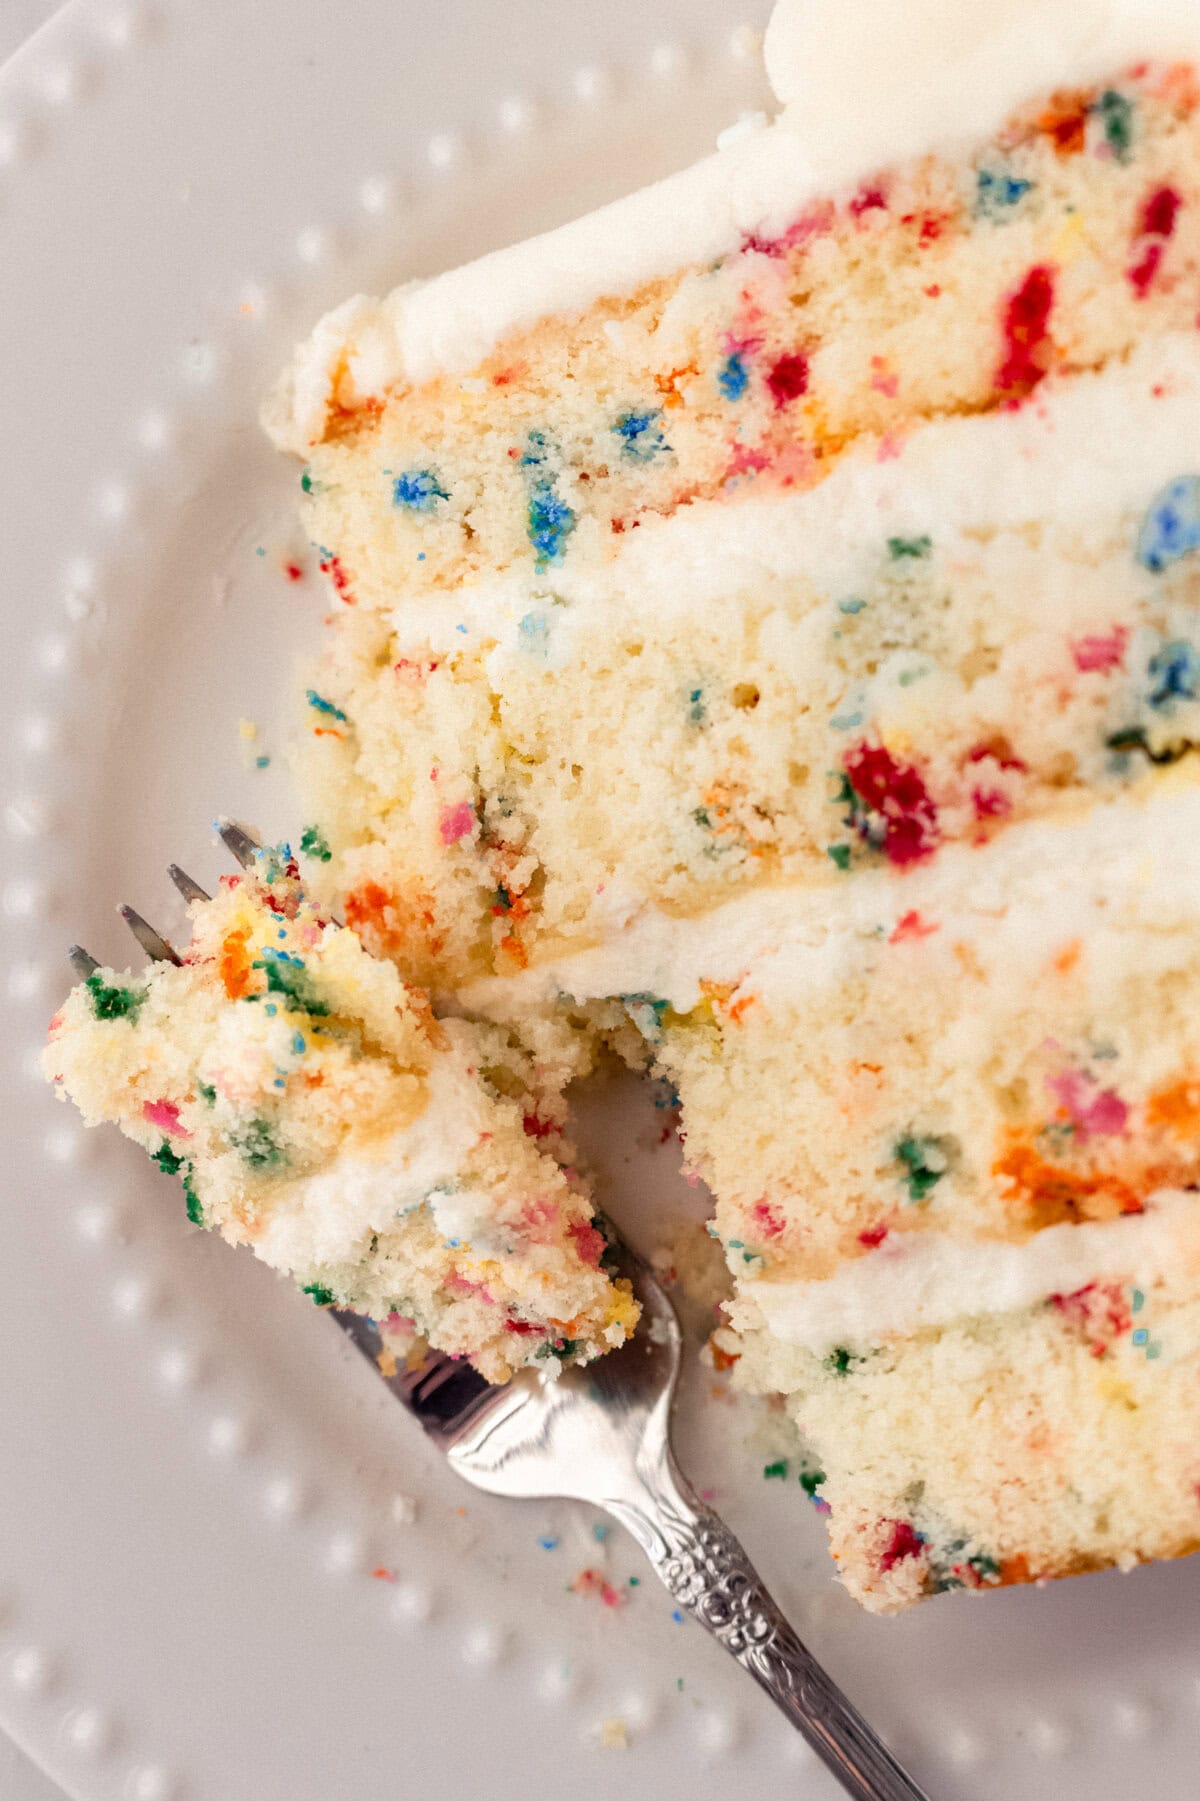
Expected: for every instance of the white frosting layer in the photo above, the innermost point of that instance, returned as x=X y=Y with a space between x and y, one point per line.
x=1067 y=457
x=1132 y=863
x=326 y=1217
x=864 y=83
x=917 y=1280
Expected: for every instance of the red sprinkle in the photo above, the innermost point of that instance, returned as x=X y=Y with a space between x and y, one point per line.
x=293 y=571
x=788 y=378
x=1100 y=1311
x=1027 y=332
x=1160 y=215
x=768 y=1219
x=873 y=1236
x=868 y=200
x=897 y=792
x=589 y=1242
x=911 y=925
x=905 y=1542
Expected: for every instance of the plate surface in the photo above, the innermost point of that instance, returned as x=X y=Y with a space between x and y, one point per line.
x=208 y=1586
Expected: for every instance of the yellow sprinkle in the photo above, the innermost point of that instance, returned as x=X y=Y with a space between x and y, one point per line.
x=614 y=1735
x=1072 y=240
x=387 y=1364
x=247 y=728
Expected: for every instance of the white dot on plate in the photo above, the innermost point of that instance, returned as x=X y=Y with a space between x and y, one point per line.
x=150 y=1784
x=1049 y=1738
x=12 y=140
x=412 y=1602
x=178 y=1367
x=19 y=899
x=113 y=500
x=516 y=113
x=311 y=244
x=26 y=981
x=59 y=83
x=744 y=43
x=559 y=1680
x=376 y=194
x=1132 y=1719
x=30 y=1670
x=133 y=1297
x=153 y=431
x=25 y=817
x=283 y=1497
x=228 y=1435
x=80 y=574
x=96 y=1222
x=962 y=1747
x=719 y=1731
x=344 y=1553
x=37 y=733
x=89 y=1730
x=54 y=652
x=484 y=1645
x=667 y=60
x=198 y=364
x=63 y=1144
x=444 y=150
x=592 y=84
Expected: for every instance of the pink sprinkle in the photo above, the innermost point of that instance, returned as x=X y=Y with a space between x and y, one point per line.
x=165 y=1115
x=1104 y=1114
x=767 y=1218
x=1102 y=652
x=590 y=1243
x=891 y=446
x=904 y=1542
x=457 y=822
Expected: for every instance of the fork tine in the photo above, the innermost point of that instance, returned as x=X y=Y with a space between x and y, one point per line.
x=190 y=890
x=152 y=942
x=81 y=962
x=239 y=842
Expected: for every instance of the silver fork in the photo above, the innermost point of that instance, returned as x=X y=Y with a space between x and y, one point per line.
x=601 y=1434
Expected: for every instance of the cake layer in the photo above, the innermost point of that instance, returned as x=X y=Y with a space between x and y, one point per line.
x=1008 y=1448
x=1005 y=1039
x=317 y=1111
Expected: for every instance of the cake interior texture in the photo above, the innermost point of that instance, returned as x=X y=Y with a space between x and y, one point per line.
x=778 y=659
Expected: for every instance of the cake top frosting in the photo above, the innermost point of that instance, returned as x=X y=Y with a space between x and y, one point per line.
x=861 y=83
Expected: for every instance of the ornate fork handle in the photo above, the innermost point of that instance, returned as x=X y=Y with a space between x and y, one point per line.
x=706 y=1570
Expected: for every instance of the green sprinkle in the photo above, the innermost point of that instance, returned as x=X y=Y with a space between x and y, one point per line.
x=810 y=1481
x=899 y=548
x=195 y=1211
x=777 y=1470
x=167 y=1159
x=288 y=976
x=207 y=1093
x=838 y=854
x=322 y=1296
x=262 y=762
x=1138 y=1301
x=313 y=843
x=256 y=1145
x=854 y=605
x=565 y=1348
x=114 y=1003
x=1116 y=114
x=925 y=1161
x=840 y=1361
x=635 y=1582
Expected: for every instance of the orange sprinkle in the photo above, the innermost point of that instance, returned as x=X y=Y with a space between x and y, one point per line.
x=234 y=964
x=382 y=1575
x=1176 y=1107
x=1066 y=959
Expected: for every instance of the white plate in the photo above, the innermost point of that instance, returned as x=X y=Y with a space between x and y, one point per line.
x=198 y=1478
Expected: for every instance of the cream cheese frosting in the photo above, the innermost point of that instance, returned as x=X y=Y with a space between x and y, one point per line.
x=861 y=84
x=916 y=1281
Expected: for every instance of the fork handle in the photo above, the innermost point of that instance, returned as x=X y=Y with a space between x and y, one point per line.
x=708 y=1573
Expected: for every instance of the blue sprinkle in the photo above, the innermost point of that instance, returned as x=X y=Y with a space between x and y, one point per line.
x=278 y=956
x=537 y=450
x=549 y=1542
x=996 y=192
x=534 y=631
x=851 y=606
x=321 y=705
x=259 y=551
x=1171 y=528
x=550 y=523
x=600 y=1532
x=419 y=490
x=1141 y=1335
x=420 y=556
x=1174 y=671
x=733 y=376
x=272 y=1009
x=279 y=1082
x=453 y=1244
x=282 y=932
x=677 y=1616
x=298 y=1044
x=697 y=712
x=462 y=629
x=262 y=762
x=846 y=722
x=641 y=435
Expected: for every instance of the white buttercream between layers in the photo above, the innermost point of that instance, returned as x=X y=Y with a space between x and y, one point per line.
x=920 y=1280
x=864 y=83
x=326 y=1217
